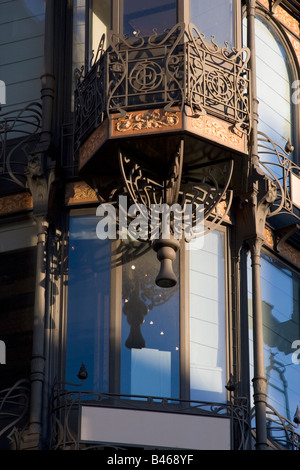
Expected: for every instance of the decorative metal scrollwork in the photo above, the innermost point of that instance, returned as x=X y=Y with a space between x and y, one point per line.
x=19 y=132
x=277 y=163
x=145 y=71
x=167 y=71
x=218 y=79
x=180 y=187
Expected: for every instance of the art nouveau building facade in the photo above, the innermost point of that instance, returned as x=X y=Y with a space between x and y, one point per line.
x=187 y=103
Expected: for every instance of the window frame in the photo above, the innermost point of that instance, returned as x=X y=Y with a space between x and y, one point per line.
x=184 y=317
x=293 y=69
x=184 y=13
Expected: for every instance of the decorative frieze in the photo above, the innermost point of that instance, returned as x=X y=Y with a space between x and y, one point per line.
x=283 y=16
x=78 y=193
x=217 y=130
x=92 y=144
x=146 y=121
x=16 y=203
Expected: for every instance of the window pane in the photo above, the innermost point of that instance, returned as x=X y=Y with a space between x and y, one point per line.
x=214 y=18
x=101 y=21
x=281 y=327
x=150 y=331
x=273 y=85
x=78 y=34
x=144 y=17
x=88 y=304
x=208 y=319
x=17 y=286
x=21 y=51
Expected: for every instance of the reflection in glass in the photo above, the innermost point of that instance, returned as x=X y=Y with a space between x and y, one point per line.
x=150 y=331
x=208 y=318
x=280 y=302
x=101 y=21
x=21 y=53
x=214 y=18
x=88 y=304
x=143 y=17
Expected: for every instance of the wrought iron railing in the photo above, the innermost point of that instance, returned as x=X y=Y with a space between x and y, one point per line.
x=281 y=431
x=19 y=133
x=279 y=166
x=66 y=405
x=170 y=71
x=14 y=407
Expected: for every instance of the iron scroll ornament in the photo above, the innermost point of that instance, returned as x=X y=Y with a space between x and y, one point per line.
x=202 y=193
x=207 y=192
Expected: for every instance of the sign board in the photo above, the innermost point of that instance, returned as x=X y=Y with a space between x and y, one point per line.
x=103 y=425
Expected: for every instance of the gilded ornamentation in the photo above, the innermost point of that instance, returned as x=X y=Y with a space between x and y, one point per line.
x=287 y=20
x=156 y=119
x=216 y=129
x=79 y=192
x=265 y=3
x=15 y=203
x=90 y=146
x=296 y=46
x=283 y=16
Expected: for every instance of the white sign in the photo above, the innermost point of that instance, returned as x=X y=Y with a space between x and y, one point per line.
x=2 y=353
x=153 y=429
x=295 y=189
x=2 y=93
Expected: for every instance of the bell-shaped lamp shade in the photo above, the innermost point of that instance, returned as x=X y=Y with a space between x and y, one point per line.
x=166 y=254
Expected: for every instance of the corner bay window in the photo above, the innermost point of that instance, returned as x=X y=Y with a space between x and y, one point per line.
x=128 y=332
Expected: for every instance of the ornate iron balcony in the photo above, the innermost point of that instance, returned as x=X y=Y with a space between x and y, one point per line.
x=179 y=70
x=66 y=409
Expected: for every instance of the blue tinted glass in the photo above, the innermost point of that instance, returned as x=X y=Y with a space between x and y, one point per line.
x=214 y=18
x=144 y=16
x=281 y=305
x=150 y=331
x=88 y=304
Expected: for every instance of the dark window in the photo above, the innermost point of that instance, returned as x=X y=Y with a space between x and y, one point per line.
x=144 y=17
x=17 y=288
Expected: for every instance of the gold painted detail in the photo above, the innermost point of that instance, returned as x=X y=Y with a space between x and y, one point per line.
x=96 y=139
x=296 y=46
x=216 y=129
x=16 y=203
x=287 y=20
x=283 y=16
x=148 y=120
x=265 y=3
x=79 y=192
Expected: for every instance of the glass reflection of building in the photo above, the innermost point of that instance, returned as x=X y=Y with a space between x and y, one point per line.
x=89 y=336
